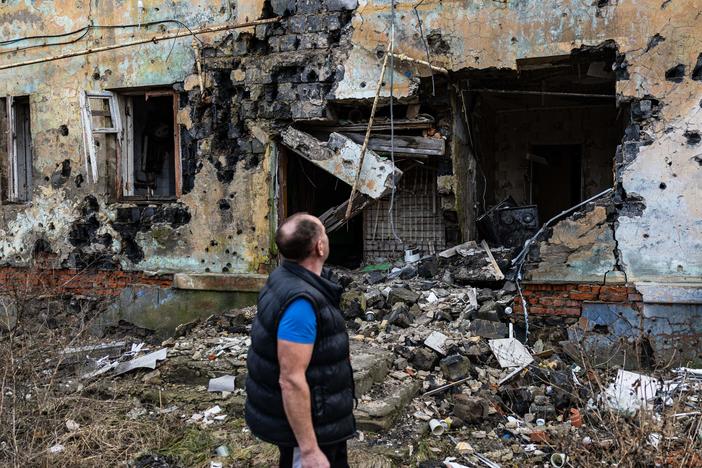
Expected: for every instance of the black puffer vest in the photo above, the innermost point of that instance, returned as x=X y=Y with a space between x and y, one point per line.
x=329 y=374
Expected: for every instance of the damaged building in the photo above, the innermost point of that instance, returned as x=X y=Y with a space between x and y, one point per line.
x=148 y=150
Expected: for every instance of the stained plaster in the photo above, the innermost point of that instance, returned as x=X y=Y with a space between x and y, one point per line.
x=214 y=240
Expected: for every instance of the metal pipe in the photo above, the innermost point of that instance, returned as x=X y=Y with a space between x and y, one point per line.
x=154 y=39
x=539 y=93
x=406 y=58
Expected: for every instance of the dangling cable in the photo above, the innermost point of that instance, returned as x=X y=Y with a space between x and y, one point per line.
x=392 y=120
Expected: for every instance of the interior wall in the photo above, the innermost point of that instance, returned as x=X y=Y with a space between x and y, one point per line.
x=516 y=130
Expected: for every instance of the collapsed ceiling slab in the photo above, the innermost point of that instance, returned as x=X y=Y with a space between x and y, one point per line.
x=340 y=157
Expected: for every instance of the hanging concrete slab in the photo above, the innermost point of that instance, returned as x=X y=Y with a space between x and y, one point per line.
x=339 y=156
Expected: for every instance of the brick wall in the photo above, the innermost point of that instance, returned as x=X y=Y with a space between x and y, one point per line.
x=85 y=282
x=567 y=299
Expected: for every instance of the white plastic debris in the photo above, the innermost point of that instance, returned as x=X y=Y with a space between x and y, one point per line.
x=436 y=341
x=222 y=384
x=58 y=448
x=147 y=361
x=654 y=439
x=431 y=298
x=510 y=352
x=630 y=392
x=72 y=426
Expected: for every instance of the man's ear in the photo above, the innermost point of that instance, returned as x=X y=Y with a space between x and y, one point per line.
x=319 y=246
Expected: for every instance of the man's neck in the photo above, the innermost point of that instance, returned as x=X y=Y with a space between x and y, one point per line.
x=313 y=265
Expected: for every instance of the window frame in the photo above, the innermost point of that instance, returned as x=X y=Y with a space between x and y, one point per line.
x=14 y=194
x=89 y=151
x=125 y=161
x=123 y=127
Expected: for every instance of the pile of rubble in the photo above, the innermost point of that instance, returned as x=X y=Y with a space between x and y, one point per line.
x=440 y=376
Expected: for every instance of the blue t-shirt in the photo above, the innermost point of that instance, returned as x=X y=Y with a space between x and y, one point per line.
x=299 y=322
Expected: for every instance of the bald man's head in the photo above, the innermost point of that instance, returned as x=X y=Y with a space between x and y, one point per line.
x=297 y=236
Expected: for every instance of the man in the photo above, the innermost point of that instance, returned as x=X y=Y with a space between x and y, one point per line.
x=300 y=391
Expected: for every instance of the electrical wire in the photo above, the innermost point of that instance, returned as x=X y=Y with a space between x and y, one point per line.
x=426 y=47
x=85 y=30
x=392 y=121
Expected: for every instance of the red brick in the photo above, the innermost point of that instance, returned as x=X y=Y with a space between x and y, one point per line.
x=583 y=296
x=552 y=301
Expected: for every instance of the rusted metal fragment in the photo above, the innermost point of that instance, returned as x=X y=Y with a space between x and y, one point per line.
x=219 y=282
x=339 y=156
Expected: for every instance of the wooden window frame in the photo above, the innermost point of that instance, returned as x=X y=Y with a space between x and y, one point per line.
x=89 y=151
x=14 y=195
x=125 y=158
x=119 y=112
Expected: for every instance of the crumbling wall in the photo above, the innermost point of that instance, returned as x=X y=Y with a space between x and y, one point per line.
x=257 y=79
x=657 y=230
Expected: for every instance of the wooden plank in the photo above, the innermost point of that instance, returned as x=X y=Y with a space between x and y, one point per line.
x=335 y=217
x=379 y=124
x=88 y=138
x=176 y=148
x=499 y=276
x=404 y=144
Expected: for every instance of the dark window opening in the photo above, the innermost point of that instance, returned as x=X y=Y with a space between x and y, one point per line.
x=152 y=146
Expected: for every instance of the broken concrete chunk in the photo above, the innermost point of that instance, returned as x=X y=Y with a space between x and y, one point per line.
x=471 y=410
x=437 y=342
x=402 y=295
x=340 y=157
x=488 y=329
x=455 y=367
x=510 y=353
x=428 y=267
x=424 y=359
x=400 y=315
x=353 y=304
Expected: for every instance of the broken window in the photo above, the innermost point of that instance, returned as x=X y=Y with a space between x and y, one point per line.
x=151 y=164
x=544 y=138
x=16 y=149
x=102 y=128
x=137 y=129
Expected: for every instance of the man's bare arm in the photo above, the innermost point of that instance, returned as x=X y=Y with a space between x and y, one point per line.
x=294 y=359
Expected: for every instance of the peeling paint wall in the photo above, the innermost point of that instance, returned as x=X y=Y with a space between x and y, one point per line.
x=220 y=223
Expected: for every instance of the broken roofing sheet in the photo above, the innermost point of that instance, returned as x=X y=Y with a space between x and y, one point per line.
x=339 y=156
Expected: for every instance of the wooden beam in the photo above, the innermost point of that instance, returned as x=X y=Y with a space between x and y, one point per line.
x=403 y=144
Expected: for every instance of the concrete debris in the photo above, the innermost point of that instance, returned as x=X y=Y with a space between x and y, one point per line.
x=340 y=157
x=430 y=357
x=437 y=342
x=510 y=352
